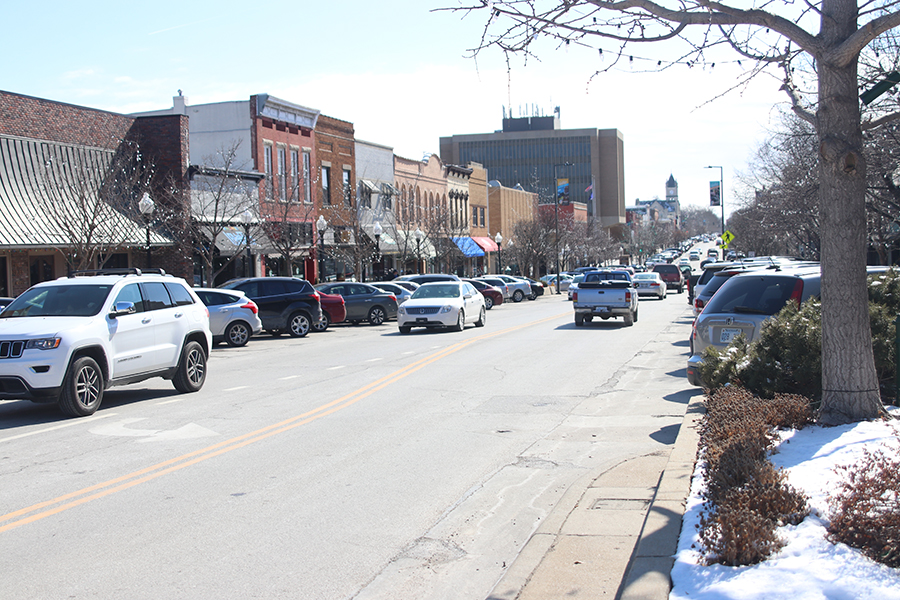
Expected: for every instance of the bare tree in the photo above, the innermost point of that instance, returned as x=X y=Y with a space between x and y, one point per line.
x=224 y=210
x=816 y=47
x=90 y=198
x=697 y=221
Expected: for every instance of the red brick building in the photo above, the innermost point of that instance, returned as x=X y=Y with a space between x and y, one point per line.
x=42 y=139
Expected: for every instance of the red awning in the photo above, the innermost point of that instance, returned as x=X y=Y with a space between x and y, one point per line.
x=486 y=243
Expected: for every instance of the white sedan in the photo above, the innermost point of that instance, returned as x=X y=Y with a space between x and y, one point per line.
x=442 y=304
x=650 y=284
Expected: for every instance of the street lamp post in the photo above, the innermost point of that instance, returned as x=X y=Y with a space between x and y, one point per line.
x=246 y=219
x=499 y=239
x=377 y=230
x=321 y=225
x=146 y=207
x=721 y=192
x=419 y=235
x=556 y=203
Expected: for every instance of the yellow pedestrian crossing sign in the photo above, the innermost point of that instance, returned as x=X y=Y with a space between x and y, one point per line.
x=727 y=237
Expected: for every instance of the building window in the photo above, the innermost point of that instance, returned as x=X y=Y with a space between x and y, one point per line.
x=267 y=158
x=365 y=197
x=481 y=213
x=295 y=175
x=386 y=195
x=307 y=190
x=474 y=216
x=326 y=185
x=282 y=175
x=347 y=189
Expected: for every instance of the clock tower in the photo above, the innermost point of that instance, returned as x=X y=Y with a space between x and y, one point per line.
x=672 y=189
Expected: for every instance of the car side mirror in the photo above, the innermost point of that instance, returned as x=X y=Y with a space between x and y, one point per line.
x=122 y=308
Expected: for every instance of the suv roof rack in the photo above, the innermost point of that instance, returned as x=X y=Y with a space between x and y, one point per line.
x=124 y=271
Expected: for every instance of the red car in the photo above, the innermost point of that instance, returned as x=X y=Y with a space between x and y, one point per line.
x=492 y=295
x=333 y=310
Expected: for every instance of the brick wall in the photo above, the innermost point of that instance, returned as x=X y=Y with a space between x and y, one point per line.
x=41 y=119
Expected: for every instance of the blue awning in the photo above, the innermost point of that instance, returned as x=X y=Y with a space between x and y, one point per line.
x=468 y=246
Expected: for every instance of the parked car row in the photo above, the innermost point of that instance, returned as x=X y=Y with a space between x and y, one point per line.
x=737 y=299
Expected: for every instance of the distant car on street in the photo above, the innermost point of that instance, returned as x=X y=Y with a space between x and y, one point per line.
x=650 y=284
x=445 y=304
x=363 y=302
x=233 y=317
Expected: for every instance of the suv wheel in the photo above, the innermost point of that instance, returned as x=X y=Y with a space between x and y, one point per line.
x=299 y=325
x=376 y=315
x=518 y=296
x=82 y=389
x=323 y=324
x=237 y=334
x=488 y=302
x=191 y=373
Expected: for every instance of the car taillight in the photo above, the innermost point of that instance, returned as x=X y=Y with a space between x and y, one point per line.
x=575 y=296
x=797 y=294
x=393 y=297
x=317 y=296
x=627 y=296
x=698 y=304
x=251 y=305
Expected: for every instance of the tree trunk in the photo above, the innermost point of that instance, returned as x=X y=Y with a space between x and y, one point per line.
x=849 y=381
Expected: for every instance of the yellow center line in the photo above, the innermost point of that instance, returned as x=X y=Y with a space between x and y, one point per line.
x=65 y=502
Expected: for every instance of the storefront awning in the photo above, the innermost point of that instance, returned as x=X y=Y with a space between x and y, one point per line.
x=486 y=243
x=468 y=246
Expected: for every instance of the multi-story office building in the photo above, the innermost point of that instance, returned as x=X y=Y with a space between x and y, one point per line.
x=533 y=151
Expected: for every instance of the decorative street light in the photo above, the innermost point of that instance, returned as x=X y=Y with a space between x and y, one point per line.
x=321 y=225
x=721 y=192
x=146 y=206
x=377 y=230
x=246 y=219
x=556 y=203
x=499 y=239
x=419 y=235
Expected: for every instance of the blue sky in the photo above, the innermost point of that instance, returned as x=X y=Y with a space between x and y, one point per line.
x=398 y=71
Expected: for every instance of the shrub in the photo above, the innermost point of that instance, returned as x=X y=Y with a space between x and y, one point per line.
x=865 y=511
x=747 y=498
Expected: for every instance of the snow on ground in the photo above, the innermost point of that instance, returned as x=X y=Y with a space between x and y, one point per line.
x=809 y=567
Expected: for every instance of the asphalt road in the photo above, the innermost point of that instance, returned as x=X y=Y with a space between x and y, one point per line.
x=355 y=463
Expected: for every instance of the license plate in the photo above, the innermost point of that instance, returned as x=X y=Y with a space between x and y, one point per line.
x=421 y=320
x=727 y=334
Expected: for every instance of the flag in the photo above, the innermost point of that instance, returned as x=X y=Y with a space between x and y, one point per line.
x=590 y=188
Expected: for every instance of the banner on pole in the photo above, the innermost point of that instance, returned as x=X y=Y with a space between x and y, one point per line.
x=562 y=191
x=715 y=193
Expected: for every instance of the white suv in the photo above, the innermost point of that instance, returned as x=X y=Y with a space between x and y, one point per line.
x=68 y=340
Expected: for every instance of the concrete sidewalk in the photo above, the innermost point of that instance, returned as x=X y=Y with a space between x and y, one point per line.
x=614 y=534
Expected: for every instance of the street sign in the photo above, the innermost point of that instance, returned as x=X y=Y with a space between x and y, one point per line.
x=727 y=237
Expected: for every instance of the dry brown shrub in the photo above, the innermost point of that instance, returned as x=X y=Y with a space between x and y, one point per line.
x=865 y=511
x=747 y=497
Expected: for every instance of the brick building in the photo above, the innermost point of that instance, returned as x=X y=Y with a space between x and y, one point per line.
x=273 y=142
x=68 y=170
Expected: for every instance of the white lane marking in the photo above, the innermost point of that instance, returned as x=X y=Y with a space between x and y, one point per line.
x=234 y=389
x=335 y=368
x=288 y=377
x=120 y=429
x=374 y=359
x=82 y=421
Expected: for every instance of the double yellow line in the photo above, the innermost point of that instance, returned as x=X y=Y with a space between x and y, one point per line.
x=48 y=508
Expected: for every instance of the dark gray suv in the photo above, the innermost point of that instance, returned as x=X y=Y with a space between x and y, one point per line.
x=286 y=304
x=743 y=303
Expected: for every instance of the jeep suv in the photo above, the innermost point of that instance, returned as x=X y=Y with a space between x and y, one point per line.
x=286 y=304
x=68 y=340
